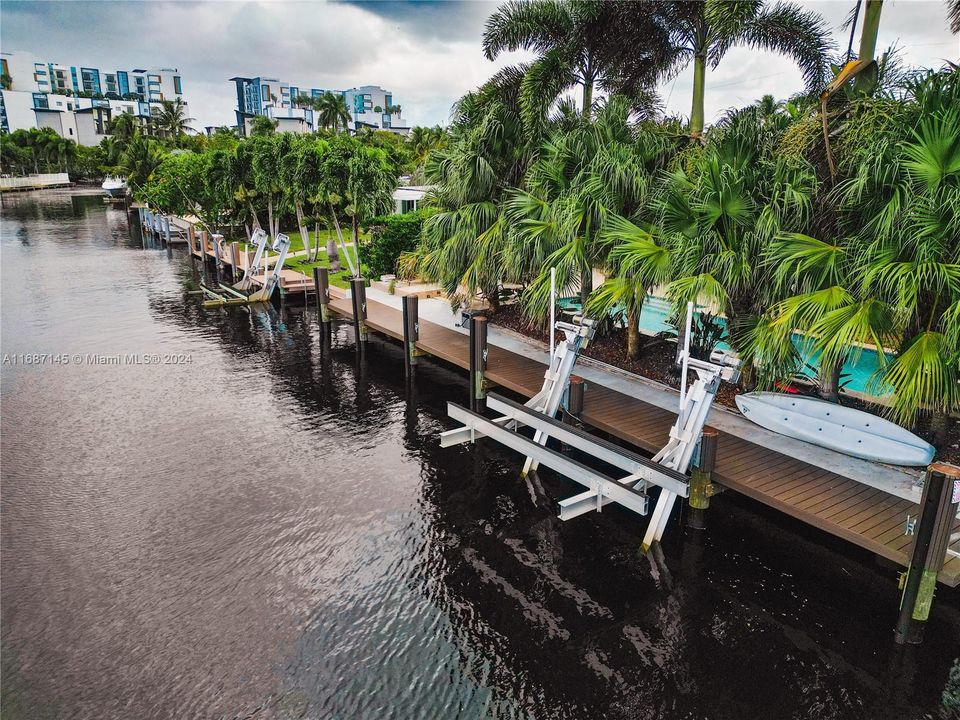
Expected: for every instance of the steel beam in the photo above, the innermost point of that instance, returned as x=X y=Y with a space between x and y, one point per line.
x=604 y=487
x=619 y=457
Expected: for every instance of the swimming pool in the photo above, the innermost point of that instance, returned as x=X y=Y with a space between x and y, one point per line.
x=855 y=375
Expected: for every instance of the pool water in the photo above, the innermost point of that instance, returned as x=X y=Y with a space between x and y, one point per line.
x=856 y=375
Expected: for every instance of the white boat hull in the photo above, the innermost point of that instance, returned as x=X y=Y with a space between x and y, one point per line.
x=114 y=187
x=846 y=430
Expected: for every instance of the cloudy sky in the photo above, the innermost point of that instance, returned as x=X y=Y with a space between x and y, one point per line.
x=427 y=53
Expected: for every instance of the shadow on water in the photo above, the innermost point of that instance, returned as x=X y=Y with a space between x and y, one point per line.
x=273 y=530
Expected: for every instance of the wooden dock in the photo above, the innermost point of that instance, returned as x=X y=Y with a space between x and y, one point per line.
x=865 y=516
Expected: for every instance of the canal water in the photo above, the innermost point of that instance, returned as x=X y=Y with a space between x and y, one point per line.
x=221 y=514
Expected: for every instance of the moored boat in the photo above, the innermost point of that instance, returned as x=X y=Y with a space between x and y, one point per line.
x=114 y=187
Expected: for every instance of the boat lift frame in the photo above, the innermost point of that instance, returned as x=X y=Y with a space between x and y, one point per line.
x=226 y=295
x=555 y=382
x=667 y=469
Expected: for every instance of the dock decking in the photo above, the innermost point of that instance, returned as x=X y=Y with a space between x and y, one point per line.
x=865 y=516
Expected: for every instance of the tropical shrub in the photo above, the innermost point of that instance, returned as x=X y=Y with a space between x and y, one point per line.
x=391 y=236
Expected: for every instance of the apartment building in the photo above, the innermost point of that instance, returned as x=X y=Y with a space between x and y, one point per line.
x=78 y=102
x=369 y=105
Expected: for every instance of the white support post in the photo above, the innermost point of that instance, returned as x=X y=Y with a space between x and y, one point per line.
x=557 y=376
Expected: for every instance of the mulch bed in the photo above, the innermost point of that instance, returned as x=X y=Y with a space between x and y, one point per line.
x=656 y=362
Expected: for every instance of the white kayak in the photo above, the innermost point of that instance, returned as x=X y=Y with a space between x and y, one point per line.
x=839 y=428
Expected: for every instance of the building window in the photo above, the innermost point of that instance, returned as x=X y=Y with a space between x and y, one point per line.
x=70 y=130
x=176 y=85
x=264 y=92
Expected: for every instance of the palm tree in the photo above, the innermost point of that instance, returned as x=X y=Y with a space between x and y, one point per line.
x=892 y=279
x=577 y=44
x=583 y=176
x=61 y=151
x=332 y=111
x=139 y=159
x=172 y=120
x=637 y=264
x=486 y=153
x=703 y=32
x=422 y=140
x=123 y=126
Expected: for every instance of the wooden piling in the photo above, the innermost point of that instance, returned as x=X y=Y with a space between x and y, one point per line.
x=166 y=229
x=359 y=296
x=938 y=508
x=191 y=238
x=575 y=395
x=478 y=362
x=411 y=330
x=321 y=281
x=701 y=478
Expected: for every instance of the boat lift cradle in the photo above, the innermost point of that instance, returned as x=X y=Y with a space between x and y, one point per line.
x=668 y=467
x=226 y=295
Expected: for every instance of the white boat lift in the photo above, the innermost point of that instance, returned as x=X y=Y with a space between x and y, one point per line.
x=667 y=469
x=226 y=295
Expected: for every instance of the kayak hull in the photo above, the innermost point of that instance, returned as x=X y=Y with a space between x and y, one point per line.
x=845 y=430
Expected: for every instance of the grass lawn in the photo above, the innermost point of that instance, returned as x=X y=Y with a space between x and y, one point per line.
x=296 y=242
x=340 y=279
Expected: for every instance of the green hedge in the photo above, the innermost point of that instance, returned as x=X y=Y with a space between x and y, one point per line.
x=391 y=235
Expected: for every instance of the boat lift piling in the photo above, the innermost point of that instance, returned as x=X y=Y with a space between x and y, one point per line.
x=938 y=508
x=575 y=391
x=358 y=294
x=702 y=487
x=321 y=281
x=411 y=331
x=478 y=362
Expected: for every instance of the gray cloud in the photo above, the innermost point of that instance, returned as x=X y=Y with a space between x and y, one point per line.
x=427 y=53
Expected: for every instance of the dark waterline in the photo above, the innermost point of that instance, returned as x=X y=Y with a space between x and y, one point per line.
x=261 y=529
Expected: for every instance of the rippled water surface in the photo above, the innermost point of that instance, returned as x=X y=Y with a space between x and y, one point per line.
x=265 y=526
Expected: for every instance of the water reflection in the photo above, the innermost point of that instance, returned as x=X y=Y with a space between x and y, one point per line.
x=273 y=530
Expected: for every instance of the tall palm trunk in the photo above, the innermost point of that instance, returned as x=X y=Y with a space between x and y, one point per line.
x=316 y=241
x=355 y=224
x=343 y=247
x=699 y=87
x=586 y=285
x=830 y=383
x=633 y=333
x=587 y=97
x=253 y=214
x=304 y=233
